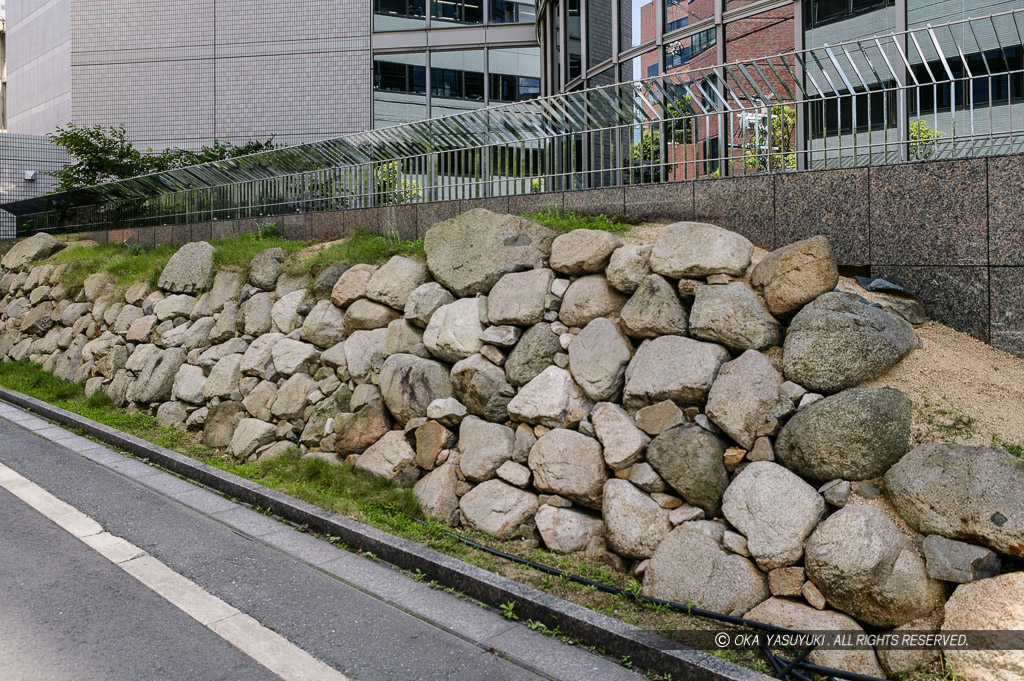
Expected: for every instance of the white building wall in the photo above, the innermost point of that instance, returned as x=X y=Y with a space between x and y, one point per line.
x=38 y=65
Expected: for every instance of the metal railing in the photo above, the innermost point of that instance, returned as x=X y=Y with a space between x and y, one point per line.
x=946 y=91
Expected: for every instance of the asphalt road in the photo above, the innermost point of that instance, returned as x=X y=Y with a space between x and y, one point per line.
x=68 y=613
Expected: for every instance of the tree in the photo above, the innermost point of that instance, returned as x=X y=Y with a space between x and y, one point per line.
x=646 y=155
x=922 y=139
x=392 y=187
x=103 y=154
x=778 y=145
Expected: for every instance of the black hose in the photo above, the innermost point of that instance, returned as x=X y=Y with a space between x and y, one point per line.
x=799 y=662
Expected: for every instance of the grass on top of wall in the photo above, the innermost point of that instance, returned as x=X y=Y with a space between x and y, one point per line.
x=235 y=253
x=128 y=264
x=362 y=247
x=567 y=221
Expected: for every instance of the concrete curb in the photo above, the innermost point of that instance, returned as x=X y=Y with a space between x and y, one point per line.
x=644 y=648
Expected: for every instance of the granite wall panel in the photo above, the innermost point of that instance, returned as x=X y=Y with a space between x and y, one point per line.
x=833 y=203
x=743 y=204
x=400 y=220
x=495 y=204
x=955 y=296
x=605 y=201
x=535 y=203
x=931 y=213
x=1006 y=210
x=429 y=214
x=671 y=202
x=1007 y=309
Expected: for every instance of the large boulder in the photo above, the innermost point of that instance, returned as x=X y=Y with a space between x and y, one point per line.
x=256 y=313
x=26 y=251
x=566 y=530
x=395 y=281
x=436 y=494
x=552 y=399
x=743 y=395
x=623 y=442
x=993 y=605
x=697 y=249
x=409 y=384
x=291 y=356
x=854 y=435
x=582 y=251
x=598 y=358
x=190 y=269
x=355 y=431
x=424 y=301
x=156 y=380
x=258 y=355
x=497 y=508
x=655 y=310
x=692 y=461
x=250 y=435
x=292 y=397
x=224 y=377
x=351 y=285
x=534 y=353
x=734 y=316
x=628 y=267
x=366 y=315
x=780 y=612
x=588 y=298
x=390 y=458
x=673 y=368
x=482 y=387
x=838 y=341
x=569 y=464
x=691 y=566
x=221 y=425
x=866 y=567
x=454 y=330
x=775 y=510
x=635 y=522
x=188 y=385
x=469 y=253
x=265 y=268
x=324 y=325
x=324 y=282
x=484 y=446
x=285 y=312
x=796 y=274
x=961 y=492
x=364 y=353
x=226 y=286
x=519 y=297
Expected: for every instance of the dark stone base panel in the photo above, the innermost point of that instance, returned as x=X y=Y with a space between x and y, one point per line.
x=954 y=296
x=833 y=203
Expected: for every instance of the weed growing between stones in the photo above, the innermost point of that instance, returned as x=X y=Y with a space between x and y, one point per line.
x=945 y=423
x=567 y=221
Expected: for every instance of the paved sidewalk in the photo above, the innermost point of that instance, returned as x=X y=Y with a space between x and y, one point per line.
x=359 y=617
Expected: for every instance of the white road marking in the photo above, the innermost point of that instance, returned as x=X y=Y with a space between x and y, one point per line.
x=266 y=647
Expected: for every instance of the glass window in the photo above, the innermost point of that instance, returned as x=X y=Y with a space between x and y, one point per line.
x=599 y=32
x=515 y=74
x=697 y=48
x=513 y=11
x=456 y=81
x=399 y=88
x=397 y=15
x=681 y=13
x=575 y=43
x=458 y=11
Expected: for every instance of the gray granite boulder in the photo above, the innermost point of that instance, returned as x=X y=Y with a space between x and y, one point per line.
x=697 y=249
x=775 y=510
x=743 y=395
x=436 y=494
x=961 y=492
x=355 y=431
x=250 y=435
x=734 y=316
x=366 y=315
x=552 y=399
x=292 y=397
x=566 y=530
x=324 y=282
x=519 y=297
x=189 y=270
x=454 y=329
x=673 y=368
x=838 y=341
x=598 y=358
x=485 y=447
x=655 y=310
x=265 y=268
x=534 y=353
x=482 y=387
x=623 y=442
x=424 y=301
x=27 y=251
x=854 y=435
x=957 y=561
x=691 y=460
x=324 y=325
x=866 y=567
x=468 y=254
x=497 y=508
x=628 y=267
x=588 y=298
x=390 y=458
x=569 y=464
x=997 y=605
x=635 y=522
x=582 y=251
x=692 y=566
x=156 y=380
x=395 y=281
x=409 y=384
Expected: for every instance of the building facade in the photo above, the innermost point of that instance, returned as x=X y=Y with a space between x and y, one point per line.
x=188 y=72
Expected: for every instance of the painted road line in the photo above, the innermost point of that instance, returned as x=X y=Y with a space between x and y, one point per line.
x=266 y=647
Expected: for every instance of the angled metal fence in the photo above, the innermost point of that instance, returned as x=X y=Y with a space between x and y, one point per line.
x=952 y=90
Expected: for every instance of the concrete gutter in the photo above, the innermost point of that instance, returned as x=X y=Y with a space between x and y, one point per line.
x=644 y=648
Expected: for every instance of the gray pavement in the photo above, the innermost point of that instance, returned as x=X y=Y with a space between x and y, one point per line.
x=68 y=613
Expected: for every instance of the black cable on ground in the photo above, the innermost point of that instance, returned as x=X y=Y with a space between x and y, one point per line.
x=787 y=666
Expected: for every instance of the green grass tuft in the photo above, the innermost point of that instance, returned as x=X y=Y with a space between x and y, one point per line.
x=128 y=264
x=567 y=221
x=237 y=252
x=362 y=247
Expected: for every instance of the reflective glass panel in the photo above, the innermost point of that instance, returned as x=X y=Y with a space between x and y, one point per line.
x=398 y=15
x=399 y=88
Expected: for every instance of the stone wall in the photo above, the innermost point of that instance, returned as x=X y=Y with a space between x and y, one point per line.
x=674 y=410
x=950 y=231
